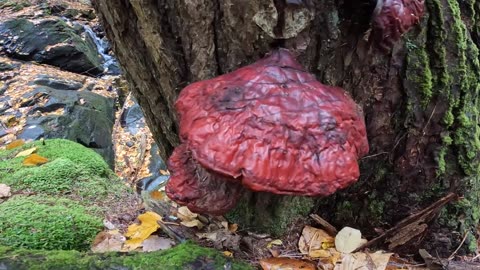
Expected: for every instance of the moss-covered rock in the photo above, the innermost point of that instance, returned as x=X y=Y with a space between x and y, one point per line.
x=184 y=256
x=74 y=190
x=37 y=222
x=72 y=169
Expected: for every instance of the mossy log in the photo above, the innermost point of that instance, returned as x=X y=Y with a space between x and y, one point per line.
x=183 y=256
x=420 y=100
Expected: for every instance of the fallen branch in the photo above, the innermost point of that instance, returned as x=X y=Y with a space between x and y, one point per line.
x=411 y=226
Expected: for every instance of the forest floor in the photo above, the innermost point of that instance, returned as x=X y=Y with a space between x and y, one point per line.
x=314 y=244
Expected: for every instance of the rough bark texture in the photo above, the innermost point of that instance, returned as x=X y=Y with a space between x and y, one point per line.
x=420 y=100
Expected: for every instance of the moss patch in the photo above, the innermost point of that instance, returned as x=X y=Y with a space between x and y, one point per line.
x=72 y=169
x=37 y=222
x=183 y=256
x=74 y=190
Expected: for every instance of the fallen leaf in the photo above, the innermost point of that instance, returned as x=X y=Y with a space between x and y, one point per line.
x=348 y=239
x=276 y=242
x=286 y=264
x=27 y=152
x=137 y=233
x=5 y=191
x=157 y=195
x=109 y=225
x=192 y=223
x=108 y=242
x=313 y=241
x=185 y=214
x=360 y=260
x=227 y=254
x=15 y=144
x=233 y=227
x=34 y=160
x=154 y=243
x=210 y=236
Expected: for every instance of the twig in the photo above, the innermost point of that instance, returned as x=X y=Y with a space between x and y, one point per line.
x=459 y=246
x=327 y=226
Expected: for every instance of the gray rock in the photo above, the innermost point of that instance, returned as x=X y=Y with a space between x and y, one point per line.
x=22 y=39
x=133 y=119
x=87 y=119
x=57 y=83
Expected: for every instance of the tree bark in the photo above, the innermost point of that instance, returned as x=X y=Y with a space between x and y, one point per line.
x=420 y=100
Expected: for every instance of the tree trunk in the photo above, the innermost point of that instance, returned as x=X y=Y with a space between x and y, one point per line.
x=420 y=100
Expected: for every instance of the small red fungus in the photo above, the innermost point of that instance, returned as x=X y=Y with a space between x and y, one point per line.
x=270 y=126
x=393 y=18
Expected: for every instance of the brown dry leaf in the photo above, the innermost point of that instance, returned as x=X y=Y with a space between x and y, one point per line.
x=348 y=239
x=192 y=223
x=15 y=144
x=233 y=227
x=108 y=242
x=210 y=236
x=34 y=160
x=154 y=243
x=137 y=233
x=364 y=261
x=314 y=240
x=286 y=264
x=5 y=191
x=27 y=152
x=12 y=121
x=185 y=214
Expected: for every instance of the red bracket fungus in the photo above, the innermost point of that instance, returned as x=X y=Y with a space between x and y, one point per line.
x=393 y=18
x=270 y=126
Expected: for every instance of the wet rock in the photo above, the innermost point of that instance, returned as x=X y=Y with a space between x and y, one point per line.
x=57 y=83
x=32 y=132
x=80 y=116
x=52 y=42
x=132 y=119
x=156 y=162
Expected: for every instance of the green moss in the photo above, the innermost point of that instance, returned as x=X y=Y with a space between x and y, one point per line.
x=37 y=222
x=73 y=170
x=419 y=74
x=278 y=212
x=183 y=256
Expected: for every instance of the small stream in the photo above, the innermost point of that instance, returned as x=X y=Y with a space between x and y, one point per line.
x=110 y=64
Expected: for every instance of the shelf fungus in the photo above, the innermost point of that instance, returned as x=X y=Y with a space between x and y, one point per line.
x=270 y=127
x=393 y=18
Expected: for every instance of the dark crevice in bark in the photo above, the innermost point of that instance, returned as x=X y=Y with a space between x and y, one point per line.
x=280 y=6
x=217 y=19
x=169 y=31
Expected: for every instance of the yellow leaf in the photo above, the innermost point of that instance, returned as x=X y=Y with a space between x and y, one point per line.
x=15 y=144
x=313 y=240
x=227 y=254
x=27 y=152
x=137 y=233
x=157 y=195
x=276 y=242
x=34 y=160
